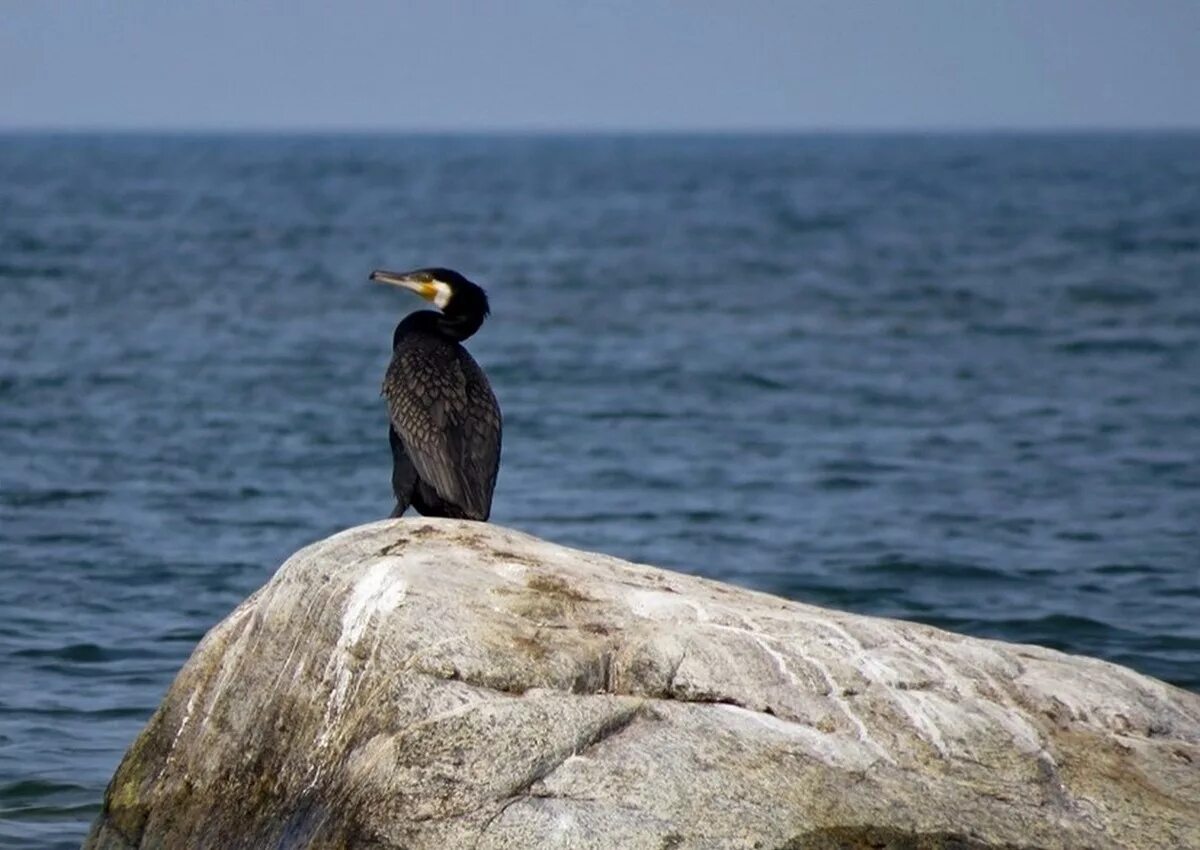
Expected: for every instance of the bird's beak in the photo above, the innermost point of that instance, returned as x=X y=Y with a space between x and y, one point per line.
x=420 y=284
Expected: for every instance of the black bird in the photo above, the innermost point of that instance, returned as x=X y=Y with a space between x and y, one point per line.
x=445 y=422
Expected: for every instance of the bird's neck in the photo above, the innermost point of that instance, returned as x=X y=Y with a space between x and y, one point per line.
x=459 y=326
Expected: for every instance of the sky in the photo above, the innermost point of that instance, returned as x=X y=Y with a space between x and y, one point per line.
x=600 y=65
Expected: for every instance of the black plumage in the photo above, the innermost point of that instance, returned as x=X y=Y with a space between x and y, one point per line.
x=445 y=422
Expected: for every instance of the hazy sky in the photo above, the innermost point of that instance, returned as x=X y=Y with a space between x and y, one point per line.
x=572 y=64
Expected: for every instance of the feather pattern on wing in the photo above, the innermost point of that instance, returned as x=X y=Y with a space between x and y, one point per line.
x=445 y=414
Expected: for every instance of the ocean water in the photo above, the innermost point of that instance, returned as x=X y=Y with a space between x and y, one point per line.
x=951 y=379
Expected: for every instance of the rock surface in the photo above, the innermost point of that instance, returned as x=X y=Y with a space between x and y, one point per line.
x=440 y=684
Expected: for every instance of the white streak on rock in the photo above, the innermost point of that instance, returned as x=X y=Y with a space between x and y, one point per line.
x=656 y=605
x=835 y=695
x=702 y=615
x=380 y=589
x=1025 y=735
x=916 y=706
x=835 y=690
x=376 y=593
x=761 y=639
x=828 y=748
x=187 y=716
x=230 y=660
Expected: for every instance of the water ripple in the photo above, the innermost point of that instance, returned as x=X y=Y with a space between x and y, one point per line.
x=880 y=374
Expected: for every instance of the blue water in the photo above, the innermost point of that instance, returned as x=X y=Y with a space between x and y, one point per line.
x=949 y=379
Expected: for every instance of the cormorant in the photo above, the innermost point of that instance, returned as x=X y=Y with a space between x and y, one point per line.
x=445 y=422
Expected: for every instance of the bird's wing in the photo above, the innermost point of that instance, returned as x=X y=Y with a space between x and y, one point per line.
x=444 y=411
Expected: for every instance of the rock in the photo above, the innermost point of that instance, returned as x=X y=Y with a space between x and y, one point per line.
x=441 y=684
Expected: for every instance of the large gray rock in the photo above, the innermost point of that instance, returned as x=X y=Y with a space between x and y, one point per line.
x=439 y=684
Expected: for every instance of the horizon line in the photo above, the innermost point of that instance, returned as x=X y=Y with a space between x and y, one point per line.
x=536 y=130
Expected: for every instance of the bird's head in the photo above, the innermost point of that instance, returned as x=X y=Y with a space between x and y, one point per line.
x=449 y=291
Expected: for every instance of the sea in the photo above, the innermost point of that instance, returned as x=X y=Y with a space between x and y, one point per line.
x=945 y=378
